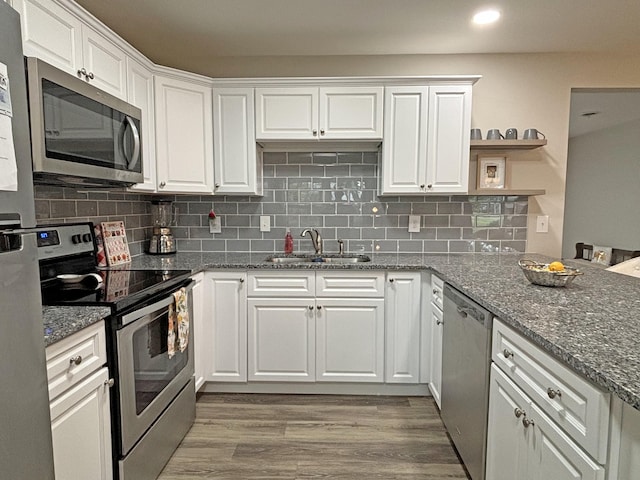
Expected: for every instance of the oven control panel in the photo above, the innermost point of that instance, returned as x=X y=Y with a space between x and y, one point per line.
x=63 y=240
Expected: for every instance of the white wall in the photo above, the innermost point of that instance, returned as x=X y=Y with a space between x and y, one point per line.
x=521 y=91
x=603 y=189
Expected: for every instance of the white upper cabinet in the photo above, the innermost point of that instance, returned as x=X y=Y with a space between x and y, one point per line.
x=140 y=94
x=311 y=113
x=448 y=139
x=184 y=136
x=238 y=162
x=56 y=36
x=426 y=140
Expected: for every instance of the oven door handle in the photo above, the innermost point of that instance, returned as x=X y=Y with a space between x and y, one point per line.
x=165 y=302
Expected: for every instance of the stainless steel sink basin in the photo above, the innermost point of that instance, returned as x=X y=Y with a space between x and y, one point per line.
x=310 y=258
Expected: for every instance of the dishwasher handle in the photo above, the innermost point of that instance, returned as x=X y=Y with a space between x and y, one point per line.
x=467 y=308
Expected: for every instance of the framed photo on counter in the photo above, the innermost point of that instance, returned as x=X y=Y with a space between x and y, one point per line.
x=492 y=172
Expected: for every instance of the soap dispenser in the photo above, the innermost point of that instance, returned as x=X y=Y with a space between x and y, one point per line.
x=288 y=242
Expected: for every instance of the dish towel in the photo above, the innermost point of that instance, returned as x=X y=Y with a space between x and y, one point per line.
x=178 y=323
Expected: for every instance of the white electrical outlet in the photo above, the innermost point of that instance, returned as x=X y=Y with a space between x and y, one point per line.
x=215 y=226
x=265 y=223
x=414 y=223
x=542 y=224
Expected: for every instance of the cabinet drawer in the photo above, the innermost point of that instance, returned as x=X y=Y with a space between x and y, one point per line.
x=437 y=287
x=350 y=284
x=576 y=405
x=280 y=283
x=74 y=358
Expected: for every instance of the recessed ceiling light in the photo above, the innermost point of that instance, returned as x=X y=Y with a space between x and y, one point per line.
x=485 y=17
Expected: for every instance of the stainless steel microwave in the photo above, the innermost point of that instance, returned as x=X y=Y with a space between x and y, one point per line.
x=80 y=135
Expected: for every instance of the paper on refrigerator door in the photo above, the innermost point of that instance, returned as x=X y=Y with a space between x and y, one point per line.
x=8 y=167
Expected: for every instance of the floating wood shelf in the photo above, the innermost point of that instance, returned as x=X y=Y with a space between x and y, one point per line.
x=507 y=144
x=500 y=192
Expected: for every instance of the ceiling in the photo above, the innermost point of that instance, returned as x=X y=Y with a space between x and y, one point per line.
x=188 y=34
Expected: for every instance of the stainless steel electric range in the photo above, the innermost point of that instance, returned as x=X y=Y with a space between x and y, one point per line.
x=153 y=397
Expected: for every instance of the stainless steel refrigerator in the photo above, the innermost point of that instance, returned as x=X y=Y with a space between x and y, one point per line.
x=25 y=426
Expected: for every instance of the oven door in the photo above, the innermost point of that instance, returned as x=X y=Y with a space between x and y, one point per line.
x=148 y=379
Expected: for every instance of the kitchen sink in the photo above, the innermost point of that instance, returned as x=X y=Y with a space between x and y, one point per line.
x=311 y=258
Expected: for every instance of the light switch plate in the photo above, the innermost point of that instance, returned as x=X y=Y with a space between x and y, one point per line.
x=265 y=223
x=542 y=224
x=414 y=223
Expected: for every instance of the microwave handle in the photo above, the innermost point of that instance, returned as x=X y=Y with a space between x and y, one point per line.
x=135 y=157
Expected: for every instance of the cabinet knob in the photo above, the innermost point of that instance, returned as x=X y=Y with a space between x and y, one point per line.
x=422 y=186
x=242 y=280
x=554 y=393
x=82 y=72
x=110 y=383
x=77 y=360
x=518 y=412
x=526 y=422
x=310 y=307
x=429 y=186
x=217 y=185
x=507 y=353
x=163 y=184
x=319 y=307
x=91 y=75
x=315 y=133
x=435 y=291
x=321 y=132
x=439 y=322
x=391 y=280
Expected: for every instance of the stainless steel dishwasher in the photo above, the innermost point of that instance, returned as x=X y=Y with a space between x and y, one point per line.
x=466 y=358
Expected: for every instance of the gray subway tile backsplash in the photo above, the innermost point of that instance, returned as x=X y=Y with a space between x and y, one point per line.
x=333 y=192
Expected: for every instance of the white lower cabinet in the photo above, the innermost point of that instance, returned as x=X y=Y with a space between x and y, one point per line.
x=281 y=339
x=79 y=403
x=198 y=322
x=224 y=343
x=81 y=430
x=350 y=340
x=523 y=443
x=402 y=304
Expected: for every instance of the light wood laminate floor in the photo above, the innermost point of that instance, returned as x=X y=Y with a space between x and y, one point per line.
x=242 y=436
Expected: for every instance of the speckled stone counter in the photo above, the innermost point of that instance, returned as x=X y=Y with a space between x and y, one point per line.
x=61 y=322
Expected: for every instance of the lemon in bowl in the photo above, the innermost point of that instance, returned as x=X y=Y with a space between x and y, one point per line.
x=556 y=267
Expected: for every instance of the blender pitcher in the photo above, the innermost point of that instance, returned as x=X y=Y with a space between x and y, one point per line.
x=165 y=216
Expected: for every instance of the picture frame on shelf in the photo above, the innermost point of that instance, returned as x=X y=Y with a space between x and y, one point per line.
x=492 y=172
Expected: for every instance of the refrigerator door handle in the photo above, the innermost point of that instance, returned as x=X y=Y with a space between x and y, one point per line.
x=10 y=242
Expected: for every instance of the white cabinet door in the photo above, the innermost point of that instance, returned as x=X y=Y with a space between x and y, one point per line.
x=435 y=350
x=51 y=33
x=404 y=149
x=81 y=430
x=199 y=335
x=351 y=113
x=448 y=139
x=225 y=341
x=105 y=63
x=184 y=136
x=402 y=313
x=350 y=340
x=287 y=113
x=237 y=166
x=140 y=94
x=507 y=439
x=281 y=343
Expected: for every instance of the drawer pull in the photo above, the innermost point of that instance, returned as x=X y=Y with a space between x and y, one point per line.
x=518 y=412
x=110 y=383
x=462 y=312
x=507 y=353
x=77 y=360
x=553 y=393
x=526 y=422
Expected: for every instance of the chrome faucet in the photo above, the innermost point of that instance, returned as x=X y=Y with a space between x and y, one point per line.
x=315 y=239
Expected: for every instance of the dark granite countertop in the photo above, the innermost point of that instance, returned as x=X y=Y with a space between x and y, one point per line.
x=61 y=322
x=593 y=325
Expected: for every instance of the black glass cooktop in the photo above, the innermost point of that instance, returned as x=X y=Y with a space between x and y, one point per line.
x=118 y=290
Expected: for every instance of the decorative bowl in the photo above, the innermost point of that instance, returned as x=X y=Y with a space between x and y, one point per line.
x=539 y=274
